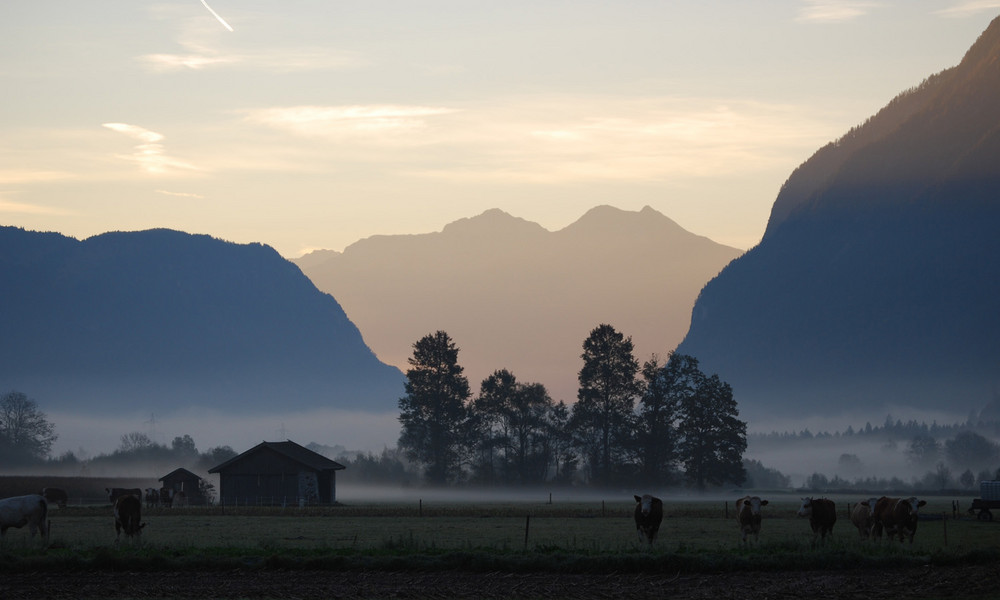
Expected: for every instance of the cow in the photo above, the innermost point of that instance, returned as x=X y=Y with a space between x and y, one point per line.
x=648 y=516
x=116 y=493
x=56 y=495
x=822 y=515
x=748 y=515
x=31 y=510
x=152 y=497
x=166 y=497
x=896 y=516
x=128 y=517
x=178 y=499
x=862 y=516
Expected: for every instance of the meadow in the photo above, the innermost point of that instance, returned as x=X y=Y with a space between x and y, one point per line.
x=695 y=535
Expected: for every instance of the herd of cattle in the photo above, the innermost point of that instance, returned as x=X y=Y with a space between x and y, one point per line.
x=126 y=503
x=872 y=517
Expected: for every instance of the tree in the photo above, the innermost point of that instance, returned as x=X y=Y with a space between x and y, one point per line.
x=184 y=448
x=923 y=450
x=713 y=438
x=25 y=433
x=656 y=432
x=969 y=449
x=513 y=420
x=434 y=413
x=560 y=439
x=134 y=442
x=603 y=415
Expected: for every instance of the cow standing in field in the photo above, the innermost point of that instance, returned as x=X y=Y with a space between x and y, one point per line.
x=822 y=515
x=31 y=510
x=128 y=514
x=57 y=496
x=152 y=497
x=648 y=516
x=863 y=517
x=896 y=516
x=748 y=516
x=166 y=497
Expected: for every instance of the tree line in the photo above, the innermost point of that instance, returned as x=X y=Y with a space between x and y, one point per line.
x=657 y=424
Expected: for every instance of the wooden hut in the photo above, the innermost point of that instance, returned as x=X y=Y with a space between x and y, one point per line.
x=182 y=480
x=278 y=473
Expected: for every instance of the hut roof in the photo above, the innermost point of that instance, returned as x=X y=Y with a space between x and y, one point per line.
x=179 y=474
x=290 y=449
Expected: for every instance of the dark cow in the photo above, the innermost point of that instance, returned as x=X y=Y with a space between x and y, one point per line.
x=116 y=493
x=128 y=514
x=896 y=516
x=31 y=510
x=822 y=515
x=166 y=497
x=57 y=496
x=648 y=515
x=748 y=516
x=863 y=517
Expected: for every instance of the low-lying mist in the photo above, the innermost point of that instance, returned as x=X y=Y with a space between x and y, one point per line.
x=88 y=436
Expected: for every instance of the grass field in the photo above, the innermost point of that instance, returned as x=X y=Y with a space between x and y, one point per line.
x=518 y=536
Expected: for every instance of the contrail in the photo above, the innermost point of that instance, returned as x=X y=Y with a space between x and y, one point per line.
x=216 y=15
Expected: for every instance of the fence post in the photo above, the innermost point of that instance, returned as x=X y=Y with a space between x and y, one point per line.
x=527 y=522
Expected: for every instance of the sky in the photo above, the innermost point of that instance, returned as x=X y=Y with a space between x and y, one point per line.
x=308 y=124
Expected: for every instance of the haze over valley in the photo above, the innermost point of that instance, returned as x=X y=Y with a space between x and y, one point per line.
x=872 y=290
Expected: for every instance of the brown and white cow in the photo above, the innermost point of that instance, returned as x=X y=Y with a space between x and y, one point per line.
x=896 y=516
x=116 y=493
x=31 y=510
x=648 y=516
x=128 y=517
x=57 y=496
x=863 y=517
x=822 y=515
x=748 y=515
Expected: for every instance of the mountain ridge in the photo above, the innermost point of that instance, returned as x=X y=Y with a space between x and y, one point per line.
x=875 y=282
x=141 y=320
x=515 y=295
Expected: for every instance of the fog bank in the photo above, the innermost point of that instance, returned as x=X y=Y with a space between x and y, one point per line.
x=87 y=436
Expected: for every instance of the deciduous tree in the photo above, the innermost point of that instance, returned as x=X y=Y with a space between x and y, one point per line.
x=713 y=438
x=25 y=433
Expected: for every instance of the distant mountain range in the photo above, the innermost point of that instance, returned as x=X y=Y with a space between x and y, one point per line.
x=877 y=282
x=158 y=320
x=514 y=295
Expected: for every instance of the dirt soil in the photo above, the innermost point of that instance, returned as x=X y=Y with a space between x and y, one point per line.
x=972 y=582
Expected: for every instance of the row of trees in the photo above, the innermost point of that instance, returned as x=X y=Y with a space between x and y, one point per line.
x=654 y=424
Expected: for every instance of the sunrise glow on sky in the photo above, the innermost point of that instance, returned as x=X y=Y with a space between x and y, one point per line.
x=314 y=123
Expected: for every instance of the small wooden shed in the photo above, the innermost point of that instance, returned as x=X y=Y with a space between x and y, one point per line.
x=182 y=480
x=278 y=473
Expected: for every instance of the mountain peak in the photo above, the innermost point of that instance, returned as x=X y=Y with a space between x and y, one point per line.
x=493 y=221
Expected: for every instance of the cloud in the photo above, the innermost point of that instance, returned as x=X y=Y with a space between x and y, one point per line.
x=8 y=207
x=968 y=9
x=180 y=194
x=12 y=176
x=365 y=120
x=833 y=11
x=149 y=154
